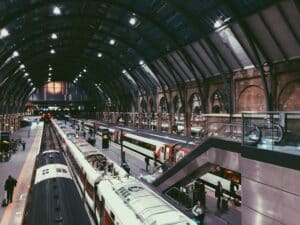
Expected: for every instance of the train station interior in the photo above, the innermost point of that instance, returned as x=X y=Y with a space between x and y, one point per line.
x=150 y=112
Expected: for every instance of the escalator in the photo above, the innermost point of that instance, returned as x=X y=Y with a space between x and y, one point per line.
x=214 y=151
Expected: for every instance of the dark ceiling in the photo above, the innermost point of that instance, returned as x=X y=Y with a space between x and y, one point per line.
x=175 y=39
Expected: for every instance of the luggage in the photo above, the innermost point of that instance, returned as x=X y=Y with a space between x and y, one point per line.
x=4 y=202
x=224 y=203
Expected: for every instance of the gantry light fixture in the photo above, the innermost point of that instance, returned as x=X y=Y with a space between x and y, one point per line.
x=3 y=33
x=54 y=36
x=56 y=10
x=112 y=41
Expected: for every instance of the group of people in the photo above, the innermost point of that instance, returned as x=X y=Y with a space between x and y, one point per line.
x=147 y=161
x=200 y=199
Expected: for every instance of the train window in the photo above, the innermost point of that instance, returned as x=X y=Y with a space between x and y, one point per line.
x=45 y=171
x=227 y=174
x=58 y=170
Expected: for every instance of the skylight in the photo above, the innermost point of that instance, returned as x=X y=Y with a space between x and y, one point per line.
x=227 y=36
x=129 y=77
x=146 y=68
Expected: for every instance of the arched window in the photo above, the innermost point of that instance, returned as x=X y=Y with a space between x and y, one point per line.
x=163 y=105
x=143 y=106
x=219 y=102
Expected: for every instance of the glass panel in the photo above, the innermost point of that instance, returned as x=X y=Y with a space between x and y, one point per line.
x=277 y=131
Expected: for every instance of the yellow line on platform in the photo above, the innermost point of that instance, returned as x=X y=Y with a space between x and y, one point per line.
x=18 y=205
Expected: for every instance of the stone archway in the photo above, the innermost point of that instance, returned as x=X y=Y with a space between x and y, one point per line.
x=288 y=99
x=251 y=98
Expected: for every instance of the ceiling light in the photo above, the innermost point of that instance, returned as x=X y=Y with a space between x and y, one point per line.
x=50 y=74
x=54 y=36
x=15 y=54
x=112 y=41
x=22 y=66
x=218 y=23
x=50 y=69
x=132 y=21
x=52 y=51
x=29 y=80
x=84 y=70
x=31 y=84
x=99 y=55
x=26 y=75
x=123 y=71
x=141 y=62
x=56 y=10
x=79 y=75
x=4 y=33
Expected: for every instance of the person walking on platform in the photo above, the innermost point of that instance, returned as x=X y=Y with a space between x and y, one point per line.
x=10 y=184
x=219 y=194
x=23 y=145
x=155 y=159
x=147 y=162
x=198 y=212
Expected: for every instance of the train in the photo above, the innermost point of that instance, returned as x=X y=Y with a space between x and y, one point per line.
x=150 y=145
x=53 y=193
x=112 y=194
x=167 y=149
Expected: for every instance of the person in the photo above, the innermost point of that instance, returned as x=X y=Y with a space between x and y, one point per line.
x=23 y=145
x=198 y=212
x=202 y=197
x=196 y=191
x=10 y=184
x=219 y=194
x=233 y=188
x=155 y=159
x=147 y=162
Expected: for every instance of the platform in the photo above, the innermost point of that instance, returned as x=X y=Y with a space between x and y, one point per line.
x=137 y=168
x=20 y=166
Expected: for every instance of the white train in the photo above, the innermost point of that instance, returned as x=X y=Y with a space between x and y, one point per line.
x=112 y=195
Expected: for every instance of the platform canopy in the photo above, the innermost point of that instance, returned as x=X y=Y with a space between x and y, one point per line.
x=117 y=49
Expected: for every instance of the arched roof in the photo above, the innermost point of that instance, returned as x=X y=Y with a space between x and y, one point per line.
x=172 y=42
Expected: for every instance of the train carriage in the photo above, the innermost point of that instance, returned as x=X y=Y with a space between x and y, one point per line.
x=101 y=182
x=53 y=185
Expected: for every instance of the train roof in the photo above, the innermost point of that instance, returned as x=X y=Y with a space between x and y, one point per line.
x=53 y=202
x=134 y=198
x=49 y=157
x=51 y=171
